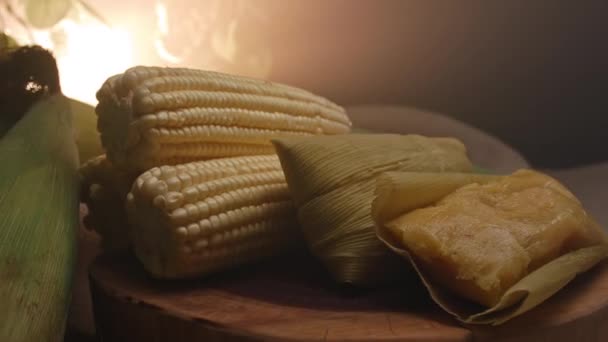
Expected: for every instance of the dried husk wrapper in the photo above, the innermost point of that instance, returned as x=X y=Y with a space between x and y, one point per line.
x=332 y=182
x=399 y=193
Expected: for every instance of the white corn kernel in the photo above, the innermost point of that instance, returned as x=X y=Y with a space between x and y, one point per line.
x=232 y=211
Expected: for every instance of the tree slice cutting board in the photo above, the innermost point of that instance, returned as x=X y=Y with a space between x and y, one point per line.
x=289 y=300
x=293 y=300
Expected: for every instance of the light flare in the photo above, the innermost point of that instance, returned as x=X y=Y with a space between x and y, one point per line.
x=163 y=53
x=162 y=20
x=92 y=53
x=162 y=24
x=227 y=36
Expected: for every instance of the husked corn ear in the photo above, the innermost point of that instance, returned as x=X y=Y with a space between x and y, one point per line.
x=103 y=190
x=100 y=170
x=106 y=216
x=152 y=116
x=192 y=219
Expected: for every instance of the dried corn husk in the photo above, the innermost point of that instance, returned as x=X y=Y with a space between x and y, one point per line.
x=548 y=231
x=402 y=192
x=332 y=181
x=38 y=221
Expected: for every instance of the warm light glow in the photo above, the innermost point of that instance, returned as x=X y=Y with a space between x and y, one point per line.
x=162 y=23
x=218 y=35
x=224 y=45
x=163 y=53
x=162 y=20
x=91 y=54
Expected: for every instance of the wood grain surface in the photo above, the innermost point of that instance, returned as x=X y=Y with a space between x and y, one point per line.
x=292 y=299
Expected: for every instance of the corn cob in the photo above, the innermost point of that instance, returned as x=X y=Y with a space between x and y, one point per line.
x=151 y=116
x=103 y=190
x=196 y=218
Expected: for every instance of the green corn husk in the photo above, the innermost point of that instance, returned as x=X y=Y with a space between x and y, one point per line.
x=38 y=222
x=6 y=43
x=31 y=64
x=85 y=126
x=332 y=182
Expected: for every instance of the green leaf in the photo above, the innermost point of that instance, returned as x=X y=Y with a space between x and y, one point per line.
x=43 y=14
x=38 y=222
x=93 y=12
x=85 y=127
x=6 y=42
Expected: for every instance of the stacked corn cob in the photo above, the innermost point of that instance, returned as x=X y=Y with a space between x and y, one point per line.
x=205 y=216
x=104 y=188
x=157 y=116
x=188 y=212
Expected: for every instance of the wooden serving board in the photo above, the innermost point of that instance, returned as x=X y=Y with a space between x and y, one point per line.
x=292 y=299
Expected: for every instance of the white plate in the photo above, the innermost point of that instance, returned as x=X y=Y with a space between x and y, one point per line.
x=590 y=184
x=484 y=150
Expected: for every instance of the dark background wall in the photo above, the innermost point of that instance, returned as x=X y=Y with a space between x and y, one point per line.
x=534 y=73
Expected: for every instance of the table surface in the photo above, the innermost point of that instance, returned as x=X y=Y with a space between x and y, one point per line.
x=588 y=183
x=293 y=299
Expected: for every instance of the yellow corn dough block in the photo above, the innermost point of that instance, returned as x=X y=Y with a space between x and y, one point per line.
x=481 y=239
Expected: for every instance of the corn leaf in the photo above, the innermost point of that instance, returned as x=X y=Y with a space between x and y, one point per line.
x=44 y=14
x=6 y=42
x=85 y=127
x=38 y=222
x=93 y=12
